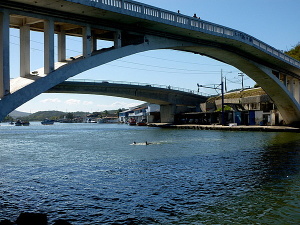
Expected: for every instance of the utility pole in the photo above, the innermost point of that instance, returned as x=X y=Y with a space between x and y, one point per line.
x=218 y=87
x=242 y=75
x=222 y=93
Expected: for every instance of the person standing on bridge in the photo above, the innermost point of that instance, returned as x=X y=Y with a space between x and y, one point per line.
x=195 y=16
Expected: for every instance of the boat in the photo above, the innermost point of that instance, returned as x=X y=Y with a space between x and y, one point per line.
x=25 y=123
x=47 y=122
x=141 y=123
x=131 y=122
x=22 y=123
x=18 y=123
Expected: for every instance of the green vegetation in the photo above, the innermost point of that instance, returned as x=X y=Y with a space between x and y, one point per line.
x=41 y=115
x=226 y=108
x=8 y=119
x=58 y=115
x=52 y=115
x=294 y=52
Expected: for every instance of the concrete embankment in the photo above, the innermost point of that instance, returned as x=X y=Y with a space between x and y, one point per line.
x=229 y=128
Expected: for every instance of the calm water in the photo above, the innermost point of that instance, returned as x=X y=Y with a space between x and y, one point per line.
x=90 y=174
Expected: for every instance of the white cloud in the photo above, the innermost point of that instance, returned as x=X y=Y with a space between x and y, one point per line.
x=117 y=105
x=88 y=103
x=50 y=100
x=73 y=102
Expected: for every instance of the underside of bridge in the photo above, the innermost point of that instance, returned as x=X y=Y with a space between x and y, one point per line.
x=129 y=35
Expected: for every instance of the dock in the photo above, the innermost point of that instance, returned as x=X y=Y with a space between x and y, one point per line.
x=228 y=128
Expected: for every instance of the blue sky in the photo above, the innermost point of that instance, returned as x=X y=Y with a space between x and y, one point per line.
x=275 y=22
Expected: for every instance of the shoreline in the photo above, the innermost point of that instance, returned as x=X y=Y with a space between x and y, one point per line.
x=227 y=128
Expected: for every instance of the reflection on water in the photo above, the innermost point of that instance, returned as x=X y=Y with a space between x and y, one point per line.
x=91 y=174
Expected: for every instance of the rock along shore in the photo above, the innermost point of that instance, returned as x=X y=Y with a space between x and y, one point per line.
x=33 y=219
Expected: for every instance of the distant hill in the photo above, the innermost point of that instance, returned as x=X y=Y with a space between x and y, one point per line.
x=53 y=115
x=17 y=114
x=41 y=115
x=56 y=115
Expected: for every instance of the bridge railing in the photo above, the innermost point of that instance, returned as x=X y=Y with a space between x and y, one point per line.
x=145 y=11
x=140 y=84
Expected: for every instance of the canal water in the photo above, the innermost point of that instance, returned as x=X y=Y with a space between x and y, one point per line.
x=92 y=174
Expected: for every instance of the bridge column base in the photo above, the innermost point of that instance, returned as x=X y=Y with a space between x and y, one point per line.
x=167 y=113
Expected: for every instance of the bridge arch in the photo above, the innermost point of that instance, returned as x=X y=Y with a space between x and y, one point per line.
x=26 y=88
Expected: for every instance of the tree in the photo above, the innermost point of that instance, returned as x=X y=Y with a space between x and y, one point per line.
x=294 y=52
x=8 y=118
x=70 y=116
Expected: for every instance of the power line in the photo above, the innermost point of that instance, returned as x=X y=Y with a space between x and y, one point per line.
x=141 y=64
x=198 y=73
x=162 y=67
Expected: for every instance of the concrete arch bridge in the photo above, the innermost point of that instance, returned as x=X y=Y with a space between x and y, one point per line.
x=132 y=27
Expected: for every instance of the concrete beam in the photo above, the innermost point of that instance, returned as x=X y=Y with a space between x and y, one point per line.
x=4 y=54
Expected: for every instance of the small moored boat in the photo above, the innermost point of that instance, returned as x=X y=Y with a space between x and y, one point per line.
x=47 y=122
x=142 y=123
x=131 y=122
x=22 y=123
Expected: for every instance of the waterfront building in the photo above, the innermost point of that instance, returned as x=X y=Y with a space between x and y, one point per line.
x=146 y=112
x=247 y=107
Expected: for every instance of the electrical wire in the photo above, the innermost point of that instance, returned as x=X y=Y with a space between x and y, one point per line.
x=195 y=72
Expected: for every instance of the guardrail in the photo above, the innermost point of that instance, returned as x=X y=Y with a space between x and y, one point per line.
x=153 y=13
x=140 y=84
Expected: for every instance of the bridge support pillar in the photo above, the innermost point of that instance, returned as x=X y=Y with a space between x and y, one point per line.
x=94 y=43
x=167 y=113
x=118 y=39
x=48 y=46
x=61 y=45
x=4 y=54
x=24 y=50
x=297 y=91
x=87 y=41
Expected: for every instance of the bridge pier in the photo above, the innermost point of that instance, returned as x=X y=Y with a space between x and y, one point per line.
x=118 y=39
x=61 y=39
x=297 y=90
x=167 y=113
x=48 y=46
x=24 y=50
x=87 y=41
x=4 y=54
